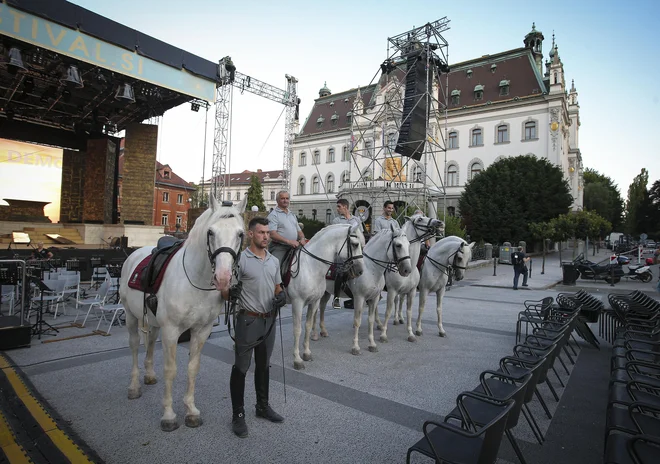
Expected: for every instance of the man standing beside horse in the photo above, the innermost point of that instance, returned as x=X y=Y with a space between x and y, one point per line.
x=343 y=217
x=259 y=296
x=285 y=233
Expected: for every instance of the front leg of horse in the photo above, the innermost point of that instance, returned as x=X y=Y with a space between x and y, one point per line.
x=296 y=311
x=423 y=293
x=410 y=298
x=150 y=374
x=168 y=422
x=197 y=340
x=388 y=312
x=373 y=308
x=358 y=304
x=398 y=305
x=134 y=390
x=322 y=305
x=311 y=315
x=379 y=324
x=438 y=302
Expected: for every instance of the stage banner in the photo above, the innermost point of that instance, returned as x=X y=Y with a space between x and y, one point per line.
x=31 y=172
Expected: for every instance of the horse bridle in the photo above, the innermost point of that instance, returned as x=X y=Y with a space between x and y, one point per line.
x=346 y=265
x=448 y=269
x=391 y=266
x=212 y=255
x=427 y=230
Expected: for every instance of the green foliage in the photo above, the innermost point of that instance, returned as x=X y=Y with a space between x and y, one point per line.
x=638 y=205
x=499 y=204
x=562 y=228
x=255 y=194
x=602 y=196
x=590 y=225
x=198 y=199
x=310 y=226
x=654 y=197
x=453 y=226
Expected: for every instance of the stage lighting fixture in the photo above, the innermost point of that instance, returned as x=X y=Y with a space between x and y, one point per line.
x=194 y=106
x=66 y=96
x=72 y=78
x=125 y=93
x=15 y=61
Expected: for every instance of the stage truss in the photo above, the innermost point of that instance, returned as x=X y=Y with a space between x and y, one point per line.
x=377 y=172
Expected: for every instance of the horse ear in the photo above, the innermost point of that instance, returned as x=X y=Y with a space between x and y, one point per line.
x=472 y=245
x=241 y=206
x=214 y=203
x=406 y=218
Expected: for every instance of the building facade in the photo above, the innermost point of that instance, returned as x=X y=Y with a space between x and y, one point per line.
x=507 y=104
x=237 y=185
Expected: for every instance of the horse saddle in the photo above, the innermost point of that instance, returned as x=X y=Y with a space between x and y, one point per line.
x=285 y=266
x=148 y=275
x=422 y=254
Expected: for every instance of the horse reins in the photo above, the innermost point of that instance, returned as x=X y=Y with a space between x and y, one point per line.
x=448 y=269
x=346 y=264
x=391 y=266
x=212 y=255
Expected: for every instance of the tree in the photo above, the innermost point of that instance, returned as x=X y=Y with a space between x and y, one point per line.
x=603 y=196
x=638 y=206
x=198 y=199
x=453 y=227
x=589 y=225
x=542 y=231
x=499 y=204
x=654 y=197
x=255 y=194
x=563 y=228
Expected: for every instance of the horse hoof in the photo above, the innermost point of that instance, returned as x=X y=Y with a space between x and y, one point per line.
x=193 y=421
x=418 y=333
x=169 y=425
x=324 y=334
x=150 y=380
x=314 y=337
x=412 y=338
x=355 y=352
x=394 y=322
x=307 y=357
x=401 y=321
x=383 y=339
x=299 y=366
x=134 y=394
x=373 y=349
x=442 y=334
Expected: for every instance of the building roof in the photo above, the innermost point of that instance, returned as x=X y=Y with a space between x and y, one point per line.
x=173 y=181
x=243 y=178
x=320 y=118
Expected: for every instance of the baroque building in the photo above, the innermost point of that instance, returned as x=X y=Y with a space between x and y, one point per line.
x=507 y=104
x=237 y=185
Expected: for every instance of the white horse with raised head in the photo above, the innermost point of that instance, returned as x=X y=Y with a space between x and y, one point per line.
x=387 y=252
x=450 y=255
x=418 y=228
x=308 y=271
x=188 y=298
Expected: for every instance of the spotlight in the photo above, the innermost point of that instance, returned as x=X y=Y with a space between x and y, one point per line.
x=125 y=93
x=15 y=61
x=194 y=106
x=72 y=78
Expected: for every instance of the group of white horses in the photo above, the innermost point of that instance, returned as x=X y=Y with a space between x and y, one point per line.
x=189 y=296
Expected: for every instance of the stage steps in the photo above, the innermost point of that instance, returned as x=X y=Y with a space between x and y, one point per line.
x=38 y=234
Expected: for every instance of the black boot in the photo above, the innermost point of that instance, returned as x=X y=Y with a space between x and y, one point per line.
x=237 y=390
x=261 y=381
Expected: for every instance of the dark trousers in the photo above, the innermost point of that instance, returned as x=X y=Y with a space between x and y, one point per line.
x=516 y=275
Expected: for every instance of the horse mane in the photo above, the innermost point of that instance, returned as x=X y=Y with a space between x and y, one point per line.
x=328 y=229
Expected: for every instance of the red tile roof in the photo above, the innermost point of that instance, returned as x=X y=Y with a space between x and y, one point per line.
x=174 y=180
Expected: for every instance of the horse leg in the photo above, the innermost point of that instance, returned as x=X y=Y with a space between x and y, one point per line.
x=358 y=304
x=311 y=315
x=150 y=374
x=197 y=339
x=410 y=297
x=322 y=305
x=438 y=303
x=423 y=293
x=373 y=309
x=377 y=318
x=296 y=311
x=170 y=337
x=388 y=312
x=134 y=390
x=397 y=310
x=400 y=312
x=314 y=336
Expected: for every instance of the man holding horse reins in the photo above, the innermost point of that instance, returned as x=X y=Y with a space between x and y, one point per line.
x=259 y=296
x=343 y=217
x=285 y=233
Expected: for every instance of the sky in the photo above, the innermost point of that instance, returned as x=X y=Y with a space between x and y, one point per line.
x=608 y=48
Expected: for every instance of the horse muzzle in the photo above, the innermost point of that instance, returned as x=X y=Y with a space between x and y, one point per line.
x=222 y=280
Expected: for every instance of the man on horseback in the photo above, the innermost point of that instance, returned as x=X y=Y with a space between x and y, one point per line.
x=285 y=233
x=343 y=217
x=259 y=296
x=386 y=221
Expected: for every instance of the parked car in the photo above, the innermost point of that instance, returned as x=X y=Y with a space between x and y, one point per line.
x=651 y=244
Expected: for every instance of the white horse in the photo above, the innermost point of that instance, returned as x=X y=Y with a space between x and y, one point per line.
x=188 y=298
x=308 y=272
x=450 y=255
x=418 y=228
x=387 y=252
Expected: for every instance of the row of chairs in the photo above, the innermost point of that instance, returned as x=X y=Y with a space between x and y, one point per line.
x=472 y=432
x=632 y=430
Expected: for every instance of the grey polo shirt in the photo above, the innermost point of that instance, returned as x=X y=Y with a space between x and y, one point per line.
x=352 y=220
x=285 y=224
x=259 y=277
x=382 y=222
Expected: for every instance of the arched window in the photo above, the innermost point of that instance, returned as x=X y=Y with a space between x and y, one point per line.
x=475 y=169
x=313 y=215
x=417 y=173
x=369 y=149
x=453 y=139
x=530 y=130
x=303 y=159
x=328 y=216
x=451 y=211
x=391 y=141
x=301 y=186
x=272 y=194
x=345 y=177
x=331 y=156
x=452 y=175
x=502 y=133
x=315 y=184
x=477 y=137
x=330 y=183
x=317 y=157
x=344 y=153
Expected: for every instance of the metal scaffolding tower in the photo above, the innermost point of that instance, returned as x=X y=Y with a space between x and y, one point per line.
x=230 y=78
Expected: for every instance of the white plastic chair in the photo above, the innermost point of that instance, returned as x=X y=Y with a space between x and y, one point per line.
x=95 y=302
x=7 y=292
x=53 y=296
x=71 y=287
x=109 y=308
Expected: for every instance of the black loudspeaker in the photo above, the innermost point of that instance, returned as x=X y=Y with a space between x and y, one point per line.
x=412 y=134
x=13 y=334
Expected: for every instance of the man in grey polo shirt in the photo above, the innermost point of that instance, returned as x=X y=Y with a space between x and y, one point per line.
x=285 y=233
x=343 y=217
x=259 y=296
x=386 y=221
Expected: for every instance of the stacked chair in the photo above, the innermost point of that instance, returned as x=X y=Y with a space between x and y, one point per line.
x=632 y=427
x=472 y=432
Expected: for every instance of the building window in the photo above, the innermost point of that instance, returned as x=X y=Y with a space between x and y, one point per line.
x=315 y=184
x=272 y=195
x=317 y=157
x=328 y=216
x=301 y=186
x=166 y=174
x=502 y=133
x=313 y=215
x=391 y=142
x=300 y=213
x=330 y=183
x=229 y=196
x=477 y=138
x=331 y=156
x=303 y=159
x=417 y=173
x=349 y=118
x=530 y=130
x=166 y=197
x=504 y=88
x=238 y=196
x=344 y=153
x=345 y=177
x=455 y=97
x=319 y=121
x=164 y=219
x=475 y=169
x=451 y=211
x=334 y=119
x=479 y=92
x=453 y=140
x=179 y=198
x=179 y=219
x=452 y=175
x=369 y=148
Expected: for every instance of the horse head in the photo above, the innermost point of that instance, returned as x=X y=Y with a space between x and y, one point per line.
x=399 y=252
x=423 y=226
x=355 y=242
x=222 y=228
x=461 y=258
